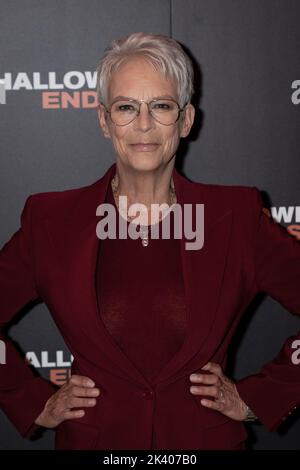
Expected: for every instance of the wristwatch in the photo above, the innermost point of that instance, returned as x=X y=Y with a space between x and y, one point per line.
x=250 y=416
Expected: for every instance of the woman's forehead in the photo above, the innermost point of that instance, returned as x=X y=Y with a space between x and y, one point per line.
x=140 y=80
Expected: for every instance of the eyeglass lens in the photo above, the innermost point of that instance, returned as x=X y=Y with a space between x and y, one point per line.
x=164 y=111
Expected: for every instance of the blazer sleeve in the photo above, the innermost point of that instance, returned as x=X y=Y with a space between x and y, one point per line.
x=274 y=393
x=22 y=393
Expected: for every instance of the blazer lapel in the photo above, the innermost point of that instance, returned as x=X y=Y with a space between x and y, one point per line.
x=202 y=271
x=76 y=247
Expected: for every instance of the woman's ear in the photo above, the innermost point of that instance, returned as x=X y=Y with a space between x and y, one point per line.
x=188 y=120
x=102 y=115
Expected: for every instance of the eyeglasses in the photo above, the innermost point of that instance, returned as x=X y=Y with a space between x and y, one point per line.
x=164 y=111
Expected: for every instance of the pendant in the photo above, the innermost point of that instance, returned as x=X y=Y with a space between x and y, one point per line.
x=145 y=242
x=145 y=238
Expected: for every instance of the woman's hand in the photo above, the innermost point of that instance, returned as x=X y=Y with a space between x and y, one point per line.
x=58 y=407
x=222 y=389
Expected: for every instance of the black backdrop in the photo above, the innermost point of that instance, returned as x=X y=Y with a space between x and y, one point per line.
x=247 y=132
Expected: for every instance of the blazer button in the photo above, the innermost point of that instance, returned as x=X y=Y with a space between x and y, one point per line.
x=148 y=394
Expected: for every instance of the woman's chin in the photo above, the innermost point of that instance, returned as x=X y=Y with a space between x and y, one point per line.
x=144 y=163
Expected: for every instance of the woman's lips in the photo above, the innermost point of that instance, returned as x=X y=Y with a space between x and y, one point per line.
x=145 y=147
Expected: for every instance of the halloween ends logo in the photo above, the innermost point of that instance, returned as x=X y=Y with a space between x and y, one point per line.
x=73 y=89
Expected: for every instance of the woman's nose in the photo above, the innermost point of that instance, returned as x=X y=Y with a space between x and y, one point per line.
x=144 y=120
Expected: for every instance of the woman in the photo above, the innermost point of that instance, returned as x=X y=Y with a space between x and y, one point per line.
x=149 y=323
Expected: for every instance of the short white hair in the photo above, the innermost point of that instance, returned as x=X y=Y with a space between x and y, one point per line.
x=163 y=52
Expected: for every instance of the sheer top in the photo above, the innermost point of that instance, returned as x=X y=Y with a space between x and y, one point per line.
x=141 y=296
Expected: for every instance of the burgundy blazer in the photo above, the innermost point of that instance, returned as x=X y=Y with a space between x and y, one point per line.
x=53 y=257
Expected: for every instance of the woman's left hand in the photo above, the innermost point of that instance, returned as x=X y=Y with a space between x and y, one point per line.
x=223 y=391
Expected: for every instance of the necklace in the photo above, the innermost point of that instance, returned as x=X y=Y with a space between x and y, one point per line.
x=144 y=233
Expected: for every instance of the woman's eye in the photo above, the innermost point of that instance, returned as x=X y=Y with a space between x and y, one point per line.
x=163 y=106
x=125 y=107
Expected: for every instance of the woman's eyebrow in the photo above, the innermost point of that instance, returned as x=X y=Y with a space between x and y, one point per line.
x=120 y=97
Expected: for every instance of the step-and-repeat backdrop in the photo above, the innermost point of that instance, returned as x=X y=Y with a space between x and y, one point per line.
x=247 y=64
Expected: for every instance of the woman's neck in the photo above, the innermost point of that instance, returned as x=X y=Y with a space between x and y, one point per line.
x=144 y=188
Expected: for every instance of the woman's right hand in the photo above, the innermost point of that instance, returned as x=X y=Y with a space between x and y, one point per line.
x=77 y=392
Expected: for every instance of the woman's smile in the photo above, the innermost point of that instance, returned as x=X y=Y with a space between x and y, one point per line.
x=140 y=147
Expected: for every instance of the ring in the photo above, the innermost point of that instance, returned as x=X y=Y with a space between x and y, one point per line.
x=221 y=395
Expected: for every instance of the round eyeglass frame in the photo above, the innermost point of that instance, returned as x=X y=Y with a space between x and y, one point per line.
x=138 y=112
